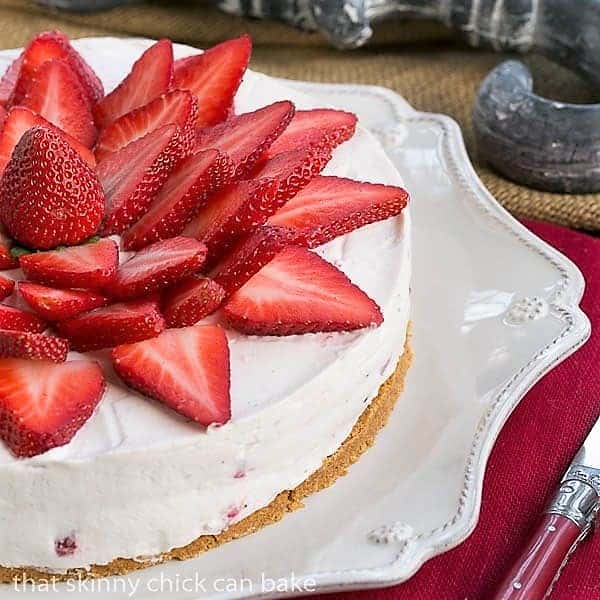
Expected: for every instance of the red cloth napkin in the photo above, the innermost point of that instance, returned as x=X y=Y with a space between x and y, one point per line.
x=530 y=455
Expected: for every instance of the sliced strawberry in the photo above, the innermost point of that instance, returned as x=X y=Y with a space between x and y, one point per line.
x=18 y=121
x=323 y=127
x=16 y=319
x=332 y=206
x=7 y=260
x=180 y=63
x=34 y=346
x=57 y=305
x=6 y=287
x=293 y=170
x=158 y=266
x=51 y=45
x=232 y=212
x=249 y=255
x=299 y=292
x=186 y=369
x=214 y=77
x=180 y=198
x=178 y=107
x=3 y=117
x=245 y=138
x=57 y=95
x=192 y=300
x=149 y=77
x=90 y=81
x=43 y=404
x=9 y=79
x=48 y=195
x=132 y=176
x=109 y=326
x=91 y=266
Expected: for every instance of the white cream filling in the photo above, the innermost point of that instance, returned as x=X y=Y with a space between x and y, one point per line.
x=138 y=480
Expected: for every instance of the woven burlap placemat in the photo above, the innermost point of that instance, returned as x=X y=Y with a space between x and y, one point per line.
x=420 y=60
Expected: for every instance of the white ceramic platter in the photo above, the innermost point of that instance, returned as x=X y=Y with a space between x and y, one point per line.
x=495 y=308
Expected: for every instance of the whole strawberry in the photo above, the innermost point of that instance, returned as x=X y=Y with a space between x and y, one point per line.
x=48 y=195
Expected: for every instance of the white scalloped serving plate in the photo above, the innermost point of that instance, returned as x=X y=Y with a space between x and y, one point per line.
x=495 y=308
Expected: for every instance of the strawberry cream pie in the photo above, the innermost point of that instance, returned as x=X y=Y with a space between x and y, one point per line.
x=204 y=301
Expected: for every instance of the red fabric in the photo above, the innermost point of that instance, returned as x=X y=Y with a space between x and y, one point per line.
x=531 y=454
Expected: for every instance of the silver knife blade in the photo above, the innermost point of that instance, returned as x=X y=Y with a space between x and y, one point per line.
x=578 y=498
x=589 y=454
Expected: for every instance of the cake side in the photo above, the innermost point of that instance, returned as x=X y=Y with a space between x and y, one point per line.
x=360 y=439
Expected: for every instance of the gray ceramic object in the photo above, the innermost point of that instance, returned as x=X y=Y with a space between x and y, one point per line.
x=549 y=145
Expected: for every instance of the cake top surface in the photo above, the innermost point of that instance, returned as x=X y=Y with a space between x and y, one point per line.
x=265 y=371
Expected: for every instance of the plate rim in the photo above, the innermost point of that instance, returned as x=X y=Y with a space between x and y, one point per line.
x=576 y=331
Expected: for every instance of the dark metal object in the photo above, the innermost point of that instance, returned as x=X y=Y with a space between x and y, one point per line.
x=501 y=24
x=84 y=5
x=545 y=144
x=567 y=32
x=549 y=145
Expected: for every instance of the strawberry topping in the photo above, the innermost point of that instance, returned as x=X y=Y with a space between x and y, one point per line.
x=214 y=77
x=232 y=212
x=180 y=198
x=186 y=369
x=46 y=46
x=91 y=266
x=293 y=170
x=43 y=404
x=299 y=292
x=112 y=325
x=7 y=260
x=48 y=195
x=192 y=300
x=6 y=287
x=57 y=305
x=178 y=107
x=132 y=176
x=57 y=95
x=149 y=77
x=332 y=206
x=16 y=319
x=249 y=255
x=245 y=138
x=189 y=185
x=34 y=346
x=18 y=121
x=324 y=128
x=158 y=266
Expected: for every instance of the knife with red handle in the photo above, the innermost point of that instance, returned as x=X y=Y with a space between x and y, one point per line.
x=568 y=519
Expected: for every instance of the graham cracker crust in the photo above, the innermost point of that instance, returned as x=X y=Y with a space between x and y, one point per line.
x=361 y=438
